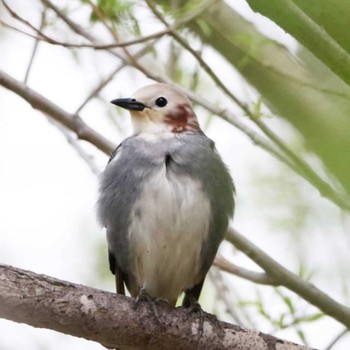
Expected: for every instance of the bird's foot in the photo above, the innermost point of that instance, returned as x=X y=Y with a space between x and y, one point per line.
x=152 y=302
x=196 y=308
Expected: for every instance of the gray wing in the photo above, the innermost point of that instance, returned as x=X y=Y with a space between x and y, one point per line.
x=120 y=185
x=200 y=159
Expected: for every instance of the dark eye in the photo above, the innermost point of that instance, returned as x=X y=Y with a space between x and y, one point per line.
x=161 y=101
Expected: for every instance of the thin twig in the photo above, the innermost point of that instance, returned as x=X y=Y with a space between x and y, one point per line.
x=19 y=18
x=102 y=20
x=222 y=291
x=337 y=338
x=85 y=34
x=79 y=29
x=70 y=23
x=44 y=37
x=104 y=82
x=35 y=47
x=109 y=78
x=72 y=140
x=199 y=59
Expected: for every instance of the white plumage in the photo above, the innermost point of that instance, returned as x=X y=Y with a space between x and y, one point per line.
x=164 y=238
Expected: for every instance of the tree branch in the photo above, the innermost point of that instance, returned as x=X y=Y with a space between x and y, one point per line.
x=283 y=277
x=72 y=140
x=112 y=320
x=256 y=277
x=35 y=47
x=337 y=338
x=45 y=38
x=71 y=121
x=290 y=16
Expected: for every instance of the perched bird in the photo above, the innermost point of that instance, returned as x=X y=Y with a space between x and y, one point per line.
x=165 y=199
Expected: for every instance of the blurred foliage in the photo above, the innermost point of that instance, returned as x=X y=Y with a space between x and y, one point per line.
x=118 y=12
x=320 y=25
x=113 y=10
x=179 y=9
x=276 y=186
x=293 y=312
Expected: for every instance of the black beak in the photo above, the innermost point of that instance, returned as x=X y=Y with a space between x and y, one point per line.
x=129 y=103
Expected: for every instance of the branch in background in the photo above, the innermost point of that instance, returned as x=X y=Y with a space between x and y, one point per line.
x=199 y=59
x=337 y=338
x=252 y=276
x=35 y=47
x=71 y=121
x=76 y=28
x=111 y=319
x=285 y=278
x=223 y=295
x=71 y=24
x=72 y=140
x=293 y=18
x=45 y=38
x=104 y=82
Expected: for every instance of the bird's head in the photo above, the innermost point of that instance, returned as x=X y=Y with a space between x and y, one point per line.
x=160 y=108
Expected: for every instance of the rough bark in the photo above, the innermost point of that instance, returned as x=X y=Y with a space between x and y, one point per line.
x=112 y=319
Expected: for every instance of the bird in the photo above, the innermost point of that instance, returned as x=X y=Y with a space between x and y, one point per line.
x=165 y=197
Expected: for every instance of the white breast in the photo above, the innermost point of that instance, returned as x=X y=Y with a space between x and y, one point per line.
x=168 y=225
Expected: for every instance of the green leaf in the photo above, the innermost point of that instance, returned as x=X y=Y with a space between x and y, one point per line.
x=302 y=336
x=287 y=300
x=113 y=10
x=304 y=20
x=203 y=26
x=311 y=318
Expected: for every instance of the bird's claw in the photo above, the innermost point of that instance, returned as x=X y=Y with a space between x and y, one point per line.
x=152 y=302
x=196 y=308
